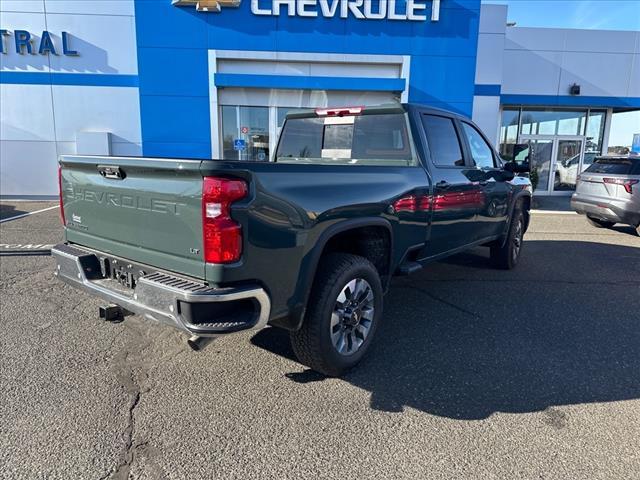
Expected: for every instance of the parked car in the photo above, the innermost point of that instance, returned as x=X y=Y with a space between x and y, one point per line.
x=308 y=242
x=567 y=173
x=608 y=192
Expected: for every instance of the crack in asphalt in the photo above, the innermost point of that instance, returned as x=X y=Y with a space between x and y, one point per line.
x=132 y=366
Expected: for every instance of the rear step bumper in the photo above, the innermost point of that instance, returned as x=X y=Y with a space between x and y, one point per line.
x=192 y=307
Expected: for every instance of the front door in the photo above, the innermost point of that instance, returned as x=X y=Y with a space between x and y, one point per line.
x=554 y=162
x=457 y=193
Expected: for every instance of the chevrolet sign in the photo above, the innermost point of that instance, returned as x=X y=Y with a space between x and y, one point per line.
x=360 y=9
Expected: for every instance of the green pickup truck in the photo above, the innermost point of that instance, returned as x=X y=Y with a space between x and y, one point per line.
x=307 y=242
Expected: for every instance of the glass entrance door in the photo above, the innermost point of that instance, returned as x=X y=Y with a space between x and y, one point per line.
x=538 y=154
x=554 y=162
x=567 y=164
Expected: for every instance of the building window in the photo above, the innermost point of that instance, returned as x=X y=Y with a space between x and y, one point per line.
x=245 y=133
x=509 y=133
x=623 y=126
x=595 y=136
x=553 y=122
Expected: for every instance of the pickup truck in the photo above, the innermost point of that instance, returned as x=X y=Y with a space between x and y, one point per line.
x=307 y=242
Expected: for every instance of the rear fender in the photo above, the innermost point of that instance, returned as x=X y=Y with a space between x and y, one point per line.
x=524 y=197
x=310 y=263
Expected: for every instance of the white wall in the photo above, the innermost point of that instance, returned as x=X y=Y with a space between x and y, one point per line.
x=486 y=109
x=545 y=61
x=40 y=122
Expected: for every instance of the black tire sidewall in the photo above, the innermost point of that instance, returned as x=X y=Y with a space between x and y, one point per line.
x=364 y=270
x=518 y=216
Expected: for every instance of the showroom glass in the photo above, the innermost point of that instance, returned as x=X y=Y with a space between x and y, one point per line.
x=623 y=126
x=509 y=133
x=553 y=122
x=250 y=125
x=567 y=165
x=595 y=135
x=444 y=144
x=538 y=154
x=360 y=140
x=481 y=152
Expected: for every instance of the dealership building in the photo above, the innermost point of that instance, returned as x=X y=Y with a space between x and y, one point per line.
x=215 y=78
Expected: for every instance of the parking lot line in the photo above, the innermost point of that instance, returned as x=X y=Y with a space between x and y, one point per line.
x=552 y=212
x=16 y=217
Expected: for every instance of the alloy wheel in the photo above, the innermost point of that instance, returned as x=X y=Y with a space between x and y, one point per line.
x=352 y=316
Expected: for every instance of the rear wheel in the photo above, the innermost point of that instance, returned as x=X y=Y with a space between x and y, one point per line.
x=344 y=310
x=507 y=256
x=599 y=223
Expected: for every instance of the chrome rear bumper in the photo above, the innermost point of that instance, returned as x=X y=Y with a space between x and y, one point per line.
x=164 y=297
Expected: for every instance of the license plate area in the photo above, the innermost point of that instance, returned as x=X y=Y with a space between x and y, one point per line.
x=124 y=273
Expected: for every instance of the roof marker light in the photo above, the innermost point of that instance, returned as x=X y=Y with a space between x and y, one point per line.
x=338 y=112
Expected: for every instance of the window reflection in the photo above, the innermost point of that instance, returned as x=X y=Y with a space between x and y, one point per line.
x=553 y=122
x=245 y=133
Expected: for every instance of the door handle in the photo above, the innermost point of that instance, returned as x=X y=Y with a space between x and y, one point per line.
x=443 y=185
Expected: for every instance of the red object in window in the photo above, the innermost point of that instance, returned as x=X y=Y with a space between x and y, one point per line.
x=62 y=218
x=627 y=184
x=221 y=234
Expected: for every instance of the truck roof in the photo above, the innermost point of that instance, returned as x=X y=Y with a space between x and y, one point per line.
x=368 y=110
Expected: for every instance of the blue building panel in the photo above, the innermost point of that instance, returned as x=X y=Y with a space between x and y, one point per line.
x=173 y=60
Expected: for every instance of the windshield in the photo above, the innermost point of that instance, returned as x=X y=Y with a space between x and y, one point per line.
x=380 y=139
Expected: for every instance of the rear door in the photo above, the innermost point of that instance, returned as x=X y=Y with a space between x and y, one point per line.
x=148 y=210
x=456 y=196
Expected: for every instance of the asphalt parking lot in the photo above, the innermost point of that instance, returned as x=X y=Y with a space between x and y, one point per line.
x=476 y=373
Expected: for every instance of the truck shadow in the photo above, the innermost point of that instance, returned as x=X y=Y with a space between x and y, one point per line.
x=8 y=210
x=463 y=342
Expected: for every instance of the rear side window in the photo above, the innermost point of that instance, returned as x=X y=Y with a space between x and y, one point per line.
x=444 y=143
x=377 y=139
x=615 y=166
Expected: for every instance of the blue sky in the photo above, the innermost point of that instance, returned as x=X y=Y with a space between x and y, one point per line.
x=589 y=14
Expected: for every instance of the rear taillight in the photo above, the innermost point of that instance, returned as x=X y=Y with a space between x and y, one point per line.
x=627 y=184
x=222 y=235
x=64 y=223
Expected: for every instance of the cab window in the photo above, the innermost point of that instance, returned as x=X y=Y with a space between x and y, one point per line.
x=444 y=144
x=481 y=152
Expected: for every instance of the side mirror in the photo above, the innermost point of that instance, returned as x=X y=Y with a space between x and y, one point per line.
x=507 y=175
x=515 y=167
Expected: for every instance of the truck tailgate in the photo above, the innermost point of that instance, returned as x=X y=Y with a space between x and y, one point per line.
x=144 y=209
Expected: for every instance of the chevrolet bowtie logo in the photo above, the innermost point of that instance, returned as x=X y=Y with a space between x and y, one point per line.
x=208 y=5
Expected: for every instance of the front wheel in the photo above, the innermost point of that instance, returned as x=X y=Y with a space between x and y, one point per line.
x=507 y=256
x=344 y=310
x=599 y=223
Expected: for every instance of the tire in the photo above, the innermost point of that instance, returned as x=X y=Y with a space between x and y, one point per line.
x=315 y=343
x=638 y=230
x=506 y=256
x=599 y=223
